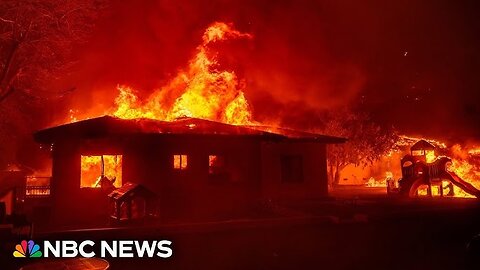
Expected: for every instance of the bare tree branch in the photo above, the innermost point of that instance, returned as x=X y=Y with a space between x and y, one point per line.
x=37 y=36
x=8 y=63
x=7 y=93
x=6 y=20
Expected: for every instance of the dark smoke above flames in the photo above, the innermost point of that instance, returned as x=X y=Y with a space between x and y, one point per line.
x=410 y=64
x=406 y=62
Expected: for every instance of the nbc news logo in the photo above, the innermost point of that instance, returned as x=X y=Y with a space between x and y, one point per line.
x=85 y=249
x=27 y=250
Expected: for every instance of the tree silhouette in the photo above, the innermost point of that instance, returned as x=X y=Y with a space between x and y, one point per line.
x=367 y=141
x=36 y=40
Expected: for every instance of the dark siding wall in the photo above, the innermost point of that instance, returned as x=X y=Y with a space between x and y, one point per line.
x=193 y=193
x=314 y=184
x=186 y=194
x=65 y=175
x=72 y=204
x=253 y=167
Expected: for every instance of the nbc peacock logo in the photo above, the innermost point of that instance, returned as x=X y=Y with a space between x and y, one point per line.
x=27 y=250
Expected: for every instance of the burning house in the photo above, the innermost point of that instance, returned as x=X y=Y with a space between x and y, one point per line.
x=197 y=169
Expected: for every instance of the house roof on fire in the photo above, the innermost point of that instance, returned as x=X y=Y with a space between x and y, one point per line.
x=111 y=126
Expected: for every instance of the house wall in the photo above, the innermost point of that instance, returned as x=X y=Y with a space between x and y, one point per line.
x=148 y=160
x=253 y=167
x=71 y=204
x=315 y=182
x=192 y=193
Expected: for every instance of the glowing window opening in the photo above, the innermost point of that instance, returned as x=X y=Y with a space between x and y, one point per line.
x=180 y=162
x=94 y=167
x=216 y=164
x=430 y=156
x=418 y=153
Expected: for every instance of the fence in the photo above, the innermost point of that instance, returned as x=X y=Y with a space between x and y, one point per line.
x=37 y=187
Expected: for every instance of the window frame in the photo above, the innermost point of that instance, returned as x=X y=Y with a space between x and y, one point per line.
x=221 y=169
x=181 y=161
x=119 y=162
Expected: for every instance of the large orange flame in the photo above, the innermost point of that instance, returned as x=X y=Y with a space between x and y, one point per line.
x=201 y=90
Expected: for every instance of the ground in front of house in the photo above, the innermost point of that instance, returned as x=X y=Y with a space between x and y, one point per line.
x=352 y=231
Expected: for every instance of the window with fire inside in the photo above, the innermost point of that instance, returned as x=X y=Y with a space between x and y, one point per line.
x=180 y=162
x=102 y=171
x=217 y=169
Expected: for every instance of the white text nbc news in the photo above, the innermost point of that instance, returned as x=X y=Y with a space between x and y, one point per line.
x=113 y=249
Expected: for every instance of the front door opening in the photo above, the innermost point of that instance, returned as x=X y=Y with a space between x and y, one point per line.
x=98 y=171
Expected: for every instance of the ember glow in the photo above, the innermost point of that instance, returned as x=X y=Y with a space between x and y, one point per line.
x=474 y=151
x=202 y=90
x=404 y=140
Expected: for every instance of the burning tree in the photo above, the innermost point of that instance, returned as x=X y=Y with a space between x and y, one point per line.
x=36 y=38
x=367 y=141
